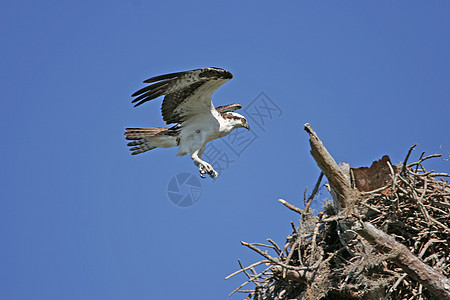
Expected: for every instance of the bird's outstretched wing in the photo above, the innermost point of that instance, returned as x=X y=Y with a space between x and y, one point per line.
x=186 y=93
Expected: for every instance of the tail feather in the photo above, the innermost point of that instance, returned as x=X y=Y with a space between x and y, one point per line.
x=140 y=138
x=137 y=133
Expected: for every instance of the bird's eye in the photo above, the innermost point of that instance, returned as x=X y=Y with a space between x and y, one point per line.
x=244 y=121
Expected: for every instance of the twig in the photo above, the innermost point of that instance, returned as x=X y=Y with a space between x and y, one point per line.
x=406 y=159
x=427 y=245
x=248 y=267
x=396 y=284
x=294 y=230
x=439 y=175
x=252 y=279
x=423 y=159
x=420 y=203
x=313 y=243
x=277 y=248
x=242 y=267
x=288 y=258
x=314 y=192
x=290 y=206
x=272 y=259
x=372 y=208
x=264 y=245
x=377 y=190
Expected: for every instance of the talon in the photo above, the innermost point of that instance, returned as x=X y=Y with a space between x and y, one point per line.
x=213 y=174
x=202 y=171
x=207 y=169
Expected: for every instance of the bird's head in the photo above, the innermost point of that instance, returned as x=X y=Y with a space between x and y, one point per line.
x=236 y=120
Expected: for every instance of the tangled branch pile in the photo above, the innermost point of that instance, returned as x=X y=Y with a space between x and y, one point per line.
x=388 y=242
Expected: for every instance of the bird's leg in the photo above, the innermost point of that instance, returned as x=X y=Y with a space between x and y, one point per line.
x=203 y=166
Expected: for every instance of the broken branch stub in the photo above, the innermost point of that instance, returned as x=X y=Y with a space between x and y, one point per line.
x=337 y=179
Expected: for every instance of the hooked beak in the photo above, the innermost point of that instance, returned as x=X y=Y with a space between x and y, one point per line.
x=246 y=126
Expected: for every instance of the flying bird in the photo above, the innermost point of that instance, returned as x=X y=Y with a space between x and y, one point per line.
x=187 y=103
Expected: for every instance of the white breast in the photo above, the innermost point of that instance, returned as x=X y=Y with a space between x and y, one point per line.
x=197 y=131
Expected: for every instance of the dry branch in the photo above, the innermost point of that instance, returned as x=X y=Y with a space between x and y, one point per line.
x=330 y=168
x=438 y=284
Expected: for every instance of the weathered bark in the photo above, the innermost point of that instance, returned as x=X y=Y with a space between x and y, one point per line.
x=337 y=179
x=435 y=282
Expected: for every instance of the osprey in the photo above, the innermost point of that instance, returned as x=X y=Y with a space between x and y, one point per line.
x=187 y=103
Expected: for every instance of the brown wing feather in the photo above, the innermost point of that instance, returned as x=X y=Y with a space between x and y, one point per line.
x=173 y=100
x=180 y=87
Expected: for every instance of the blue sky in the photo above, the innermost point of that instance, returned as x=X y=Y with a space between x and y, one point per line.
x=80 y=218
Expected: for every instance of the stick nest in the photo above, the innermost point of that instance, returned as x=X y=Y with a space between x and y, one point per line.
x=324 y=259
